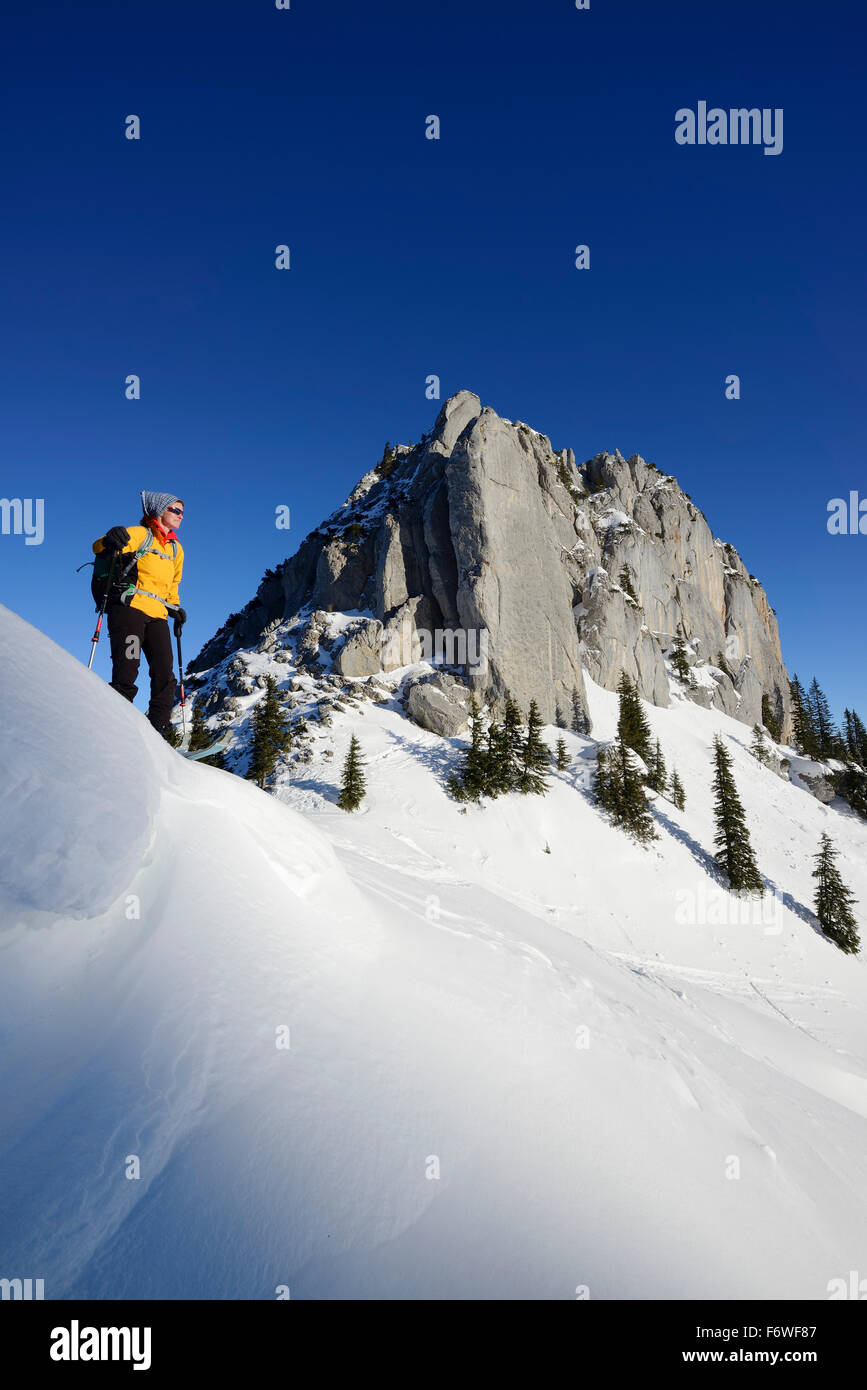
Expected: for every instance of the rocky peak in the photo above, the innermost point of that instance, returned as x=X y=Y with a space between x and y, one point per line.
x=493 y=554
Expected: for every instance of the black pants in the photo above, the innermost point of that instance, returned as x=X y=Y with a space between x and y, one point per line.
x=132 y=632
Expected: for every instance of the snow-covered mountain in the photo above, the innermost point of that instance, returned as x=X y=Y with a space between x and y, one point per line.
x=526 y=1057
x=540 y=568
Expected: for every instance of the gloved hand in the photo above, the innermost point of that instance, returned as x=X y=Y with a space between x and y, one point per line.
x=116 y=538
x=180 y=619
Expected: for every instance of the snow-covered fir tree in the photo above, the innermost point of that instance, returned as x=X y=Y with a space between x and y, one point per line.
x=619 y=790
x=535 y=759
x=470 y=781
x=271 y=735
x=511 y=747
x=657 y=775
x=833 y=901
x=201 y=736
x=734 y=852
x=770 y=720
x=626 y=584
x=758 y=747
x=679 y=658
x=632 y=726
x=580 y=720
x=676 y=791
x=352 y=785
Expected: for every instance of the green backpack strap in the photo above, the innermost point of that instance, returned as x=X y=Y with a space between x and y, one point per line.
x=133 y=560
x=142 y=550
x=146 y=545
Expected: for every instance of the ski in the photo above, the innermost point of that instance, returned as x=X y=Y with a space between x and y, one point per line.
x=218 y=747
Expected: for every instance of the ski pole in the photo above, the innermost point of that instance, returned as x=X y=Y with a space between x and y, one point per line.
x=95 y=638
x=181 y=677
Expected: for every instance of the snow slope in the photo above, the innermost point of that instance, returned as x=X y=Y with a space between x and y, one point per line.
x=511 y=1073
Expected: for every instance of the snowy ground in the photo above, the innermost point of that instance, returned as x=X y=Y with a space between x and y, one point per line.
x=512 y=1073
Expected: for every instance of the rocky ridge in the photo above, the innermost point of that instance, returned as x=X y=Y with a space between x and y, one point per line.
x=514 y=569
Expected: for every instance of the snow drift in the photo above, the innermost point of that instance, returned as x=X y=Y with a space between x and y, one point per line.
x=509 y=1073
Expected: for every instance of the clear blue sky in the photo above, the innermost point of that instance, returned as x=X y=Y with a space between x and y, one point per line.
x=411 y=257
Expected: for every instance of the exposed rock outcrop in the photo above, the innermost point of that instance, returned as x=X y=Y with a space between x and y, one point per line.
x=484 y=549
x=439 y=703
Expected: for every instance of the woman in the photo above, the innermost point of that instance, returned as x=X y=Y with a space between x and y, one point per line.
x=148 y=562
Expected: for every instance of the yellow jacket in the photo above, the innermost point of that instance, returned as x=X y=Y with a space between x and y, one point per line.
x=155 y=572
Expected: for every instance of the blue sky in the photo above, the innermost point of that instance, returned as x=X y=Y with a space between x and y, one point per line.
x=263 y=388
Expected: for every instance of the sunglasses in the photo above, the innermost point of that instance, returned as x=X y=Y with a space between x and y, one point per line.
x=177 y=511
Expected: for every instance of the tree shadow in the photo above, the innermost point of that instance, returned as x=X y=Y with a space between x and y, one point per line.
x=441 y=759
x=709 y=864
x=327 y=790
x=698 y=852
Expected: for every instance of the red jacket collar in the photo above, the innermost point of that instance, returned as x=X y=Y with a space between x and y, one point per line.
x=161 y=533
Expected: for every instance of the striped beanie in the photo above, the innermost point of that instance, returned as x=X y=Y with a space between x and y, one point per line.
x=155 y=503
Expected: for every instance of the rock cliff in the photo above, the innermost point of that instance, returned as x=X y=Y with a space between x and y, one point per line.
x=490 y=551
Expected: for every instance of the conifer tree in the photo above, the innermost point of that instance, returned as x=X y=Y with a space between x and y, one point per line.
x=632 y=725
x=853 y=750
x=823 y=724
x=562 y=756
x=470 y=781
x=387 y=463
x=173 y=737
x=678 y=795
x=625 y=582
x=859 y=735
x=512 y=746
x=201 y=736
x=580 y=722
x=535 y=758
x=770 y=720
x=757 y=747
x=853 y=788
x=271 y=735
x=603 y=788
x=679 y=658
x=657 y=775
x=496 y=763
x=499 y=762
x=352 y=787
x=833 y=900
x=734 y=853
x=633 y=813
x=724 y=666
x=619 y=790
x=802 y=728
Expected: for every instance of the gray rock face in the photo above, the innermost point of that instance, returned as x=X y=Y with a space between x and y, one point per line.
x=487 y=546
x=819 y=787
x=360 y=653
x=439 y=703
x=640 y=520
x=511 y=583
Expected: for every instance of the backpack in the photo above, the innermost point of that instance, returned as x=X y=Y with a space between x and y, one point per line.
x=121 y=591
